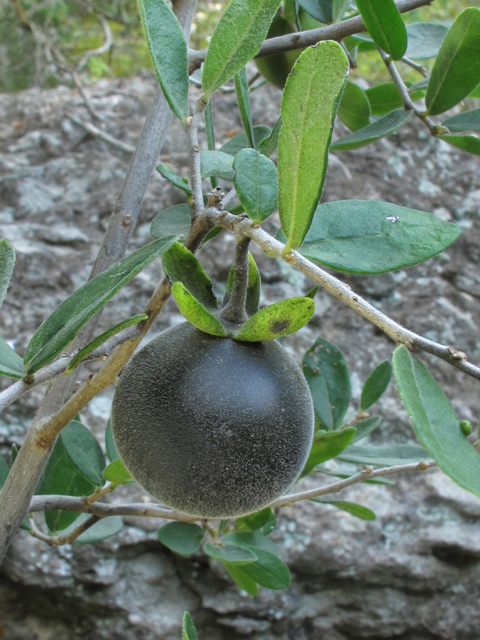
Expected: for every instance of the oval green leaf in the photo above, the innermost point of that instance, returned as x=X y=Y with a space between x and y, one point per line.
x=168 y=49
x=326 y=446
x=216 y=163
x=236 y=40
x=188 y=628
x=66 y=321
x=196 y=313
x=353 y=509
x=11 y=364
x=240 y=141
x=328 y=377
x=180 y=265
x=384 y=455
x=365 y=427
x=456 y=71
x=277 y=320
x=231 y=553
x=104 y=528
x=435 y=422
x=470 y=144
x=366 y=236
x=379 y=129
x=256 y=183
x=469 y=121
x=243 y=99
x=254 y=521
x=268 y=571
x=269 y=144
x=116 y=473
x=254 y=540
x=242 y=579
x=385 y=24
x=7 y=262
x=168 y=173
x=424 y=39
x=181 y=537
x=309 y=105
x=84 y=451
x=354 y=107
x=376 y=385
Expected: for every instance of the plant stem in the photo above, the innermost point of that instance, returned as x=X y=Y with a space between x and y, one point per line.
x=195 y=170
x=235 y=309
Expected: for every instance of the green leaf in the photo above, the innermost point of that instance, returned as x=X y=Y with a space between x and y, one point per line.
x=84 y=451
x=231 y=553
x=236 y=40
x=269 y=571
x=112 y=453
x=240 y=141
x=424 y=40
x=475 y=93
x=101 y=339
x=269 y=144
x=196 y=313
x=435 y=422
x=167 y=172
x=116 y=473
x=254 y=521
x=13 y=455
x=339 y=8
x=188 y=629
x=216 y=163
x=471 y=144
x=366 y=236
x=180 y=265
x=253 y=287
x=456 y=71
x=4 y=471
x=210 y=137
x=328 y=377
x=11 y=364
x=385 y=97
x=7 y=262
x=104 y=528
x=327 y=446
x=354 y=107
x=243 y=99
x=181 y=537
x=384 y=455
x=168 y=49
x=356 y=510
x=66 y=321
x=173 y=221
x=270 y=525
x=320 y=10
x=309 y=104
x=365 y=427
x=256 y=183
x=469 y=121
x=242 y=579
x=276 y=320
x=372 y=133
x=385 y=24
x=376 y=385
x=254 y=540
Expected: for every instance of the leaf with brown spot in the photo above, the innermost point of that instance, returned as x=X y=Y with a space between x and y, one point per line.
x=277 y=320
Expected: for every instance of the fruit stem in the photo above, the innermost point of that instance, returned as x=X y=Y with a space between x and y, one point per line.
x=235 y=309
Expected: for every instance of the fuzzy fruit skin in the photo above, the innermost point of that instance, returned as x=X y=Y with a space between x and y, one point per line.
x=213 y=427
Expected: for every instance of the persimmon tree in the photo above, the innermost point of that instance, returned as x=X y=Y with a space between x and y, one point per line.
x=61 y=469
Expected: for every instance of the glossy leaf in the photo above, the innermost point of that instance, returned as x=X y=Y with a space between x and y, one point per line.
x=112 y=453
x=168 y=49
x=101 y=339
x=367 y=236
x=424 y=40
x=196 y=313
x=456 y=71
x=470 y=144
x=236 y=40
x=356 y=510
x=270 y=143
x=84 y=451
x=254 y=521
x=116 y=473
x=379 y=129
x=328 y=377
x=168 y=173
x=268 y=571
x=384 y=98
x=181 y=537
x=354 y=107
x=253 y=287
x=365 y=427
x=242 y=579
x=469 y=121
x=216 y=163
x=188 y=628
x=11 y=364
x=231 y=553
x=385 y=24
x=243 y=99
x=240 y=141
x=7 y=262
x=254 y=540
x=309 y=105
x=384 y=455
x=256 y=183
x=376 y=385
x=327 y=446
x=66 y=321
x=180 y=265
x=277 y=320
x=435 y=422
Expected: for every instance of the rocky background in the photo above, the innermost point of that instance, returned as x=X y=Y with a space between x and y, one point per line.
x=413 y=574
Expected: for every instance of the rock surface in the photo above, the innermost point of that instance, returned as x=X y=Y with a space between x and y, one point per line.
x=413 y=574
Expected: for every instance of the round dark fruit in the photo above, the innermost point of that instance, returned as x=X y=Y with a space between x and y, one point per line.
x=213 y=427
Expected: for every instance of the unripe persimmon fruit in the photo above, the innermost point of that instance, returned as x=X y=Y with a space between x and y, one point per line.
x=213 y=427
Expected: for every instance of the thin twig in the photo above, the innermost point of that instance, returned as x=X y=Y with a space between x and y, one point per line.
x=98 y=133
x=65 y=539
x=193 y=124
x=343 y=292
x=86 y=99
x=103 y=49
x=414 y=65
x=235 y=308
